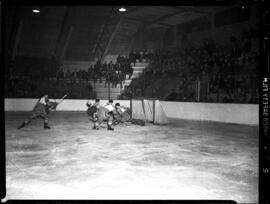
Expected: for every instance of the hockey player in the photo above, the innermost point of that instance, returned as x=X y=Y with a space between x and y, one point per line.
x=99 y=113
x=122 y=114
x=41 y=110
x=109 y=114
x=92 y=110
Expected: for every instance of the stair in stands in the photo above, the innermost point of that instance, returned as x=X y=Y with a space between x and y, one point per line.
x=102 y=92
x=137 y=70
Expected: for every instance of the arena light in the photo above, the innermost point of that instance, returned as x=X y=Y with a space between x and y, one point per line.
x=36 y=11
x=122 y=9
x=243 y=6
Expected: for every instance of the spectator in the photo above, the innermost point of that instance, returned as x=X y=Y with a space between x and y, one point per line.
x=69 y=75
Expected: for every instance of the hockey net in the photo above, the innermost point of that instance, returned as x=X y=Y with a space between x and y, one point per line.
x=150 y=111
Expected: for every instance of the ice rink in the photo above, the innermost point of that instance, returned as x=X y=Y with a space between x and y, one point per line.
x=183 y=160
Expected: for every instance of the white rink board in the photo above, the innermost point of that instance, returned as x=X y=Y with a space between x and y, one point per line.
x=66 y=105
x=228 y=113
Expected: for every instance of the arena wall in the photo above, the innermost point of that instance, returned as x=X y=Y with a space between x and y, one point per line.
x=228 y=113
x=221 y=34
x=66 y=105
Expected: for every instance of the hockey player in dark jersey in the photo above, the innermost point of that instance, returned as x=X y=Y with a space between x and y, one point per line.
x=41 y=110
x=92 y=109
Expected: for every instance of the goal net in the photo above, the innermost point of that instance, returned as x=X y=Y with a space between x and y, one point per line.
x=148 y=110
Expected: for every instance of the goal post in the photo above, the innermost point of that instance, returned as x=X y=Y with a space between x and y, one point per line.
x=160 y=117
x=149 y=110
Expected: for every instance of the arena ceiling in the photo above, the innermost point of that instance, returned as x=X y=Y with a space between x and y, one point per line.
x=46 y=32
x=165 y=15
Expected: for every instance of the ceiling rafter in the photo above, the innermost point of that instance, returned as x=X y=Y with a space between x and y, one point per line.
x=144 y=22
x=192 y=9
x=162 y=18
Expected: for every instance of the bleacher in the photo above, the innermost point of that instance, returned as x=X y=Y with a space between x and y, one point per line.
x=22 y=82
x=209 y=73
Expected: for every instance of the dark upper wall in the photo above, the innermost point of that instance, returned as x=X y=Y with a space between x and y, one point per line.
x=86 y=29
x=34 y=34
x=226 y=22
x=149 y=39
x=68 y=33
x=123 y=37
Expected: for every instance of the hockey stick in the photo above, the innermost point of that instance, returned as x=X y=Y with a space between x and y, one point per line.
x=57 y=103
x=61 y=100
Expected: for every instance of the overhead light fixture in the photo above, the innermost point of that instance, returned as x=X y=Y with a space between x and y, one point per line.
x=36 y=11
x=243 y=6
x=122 y=9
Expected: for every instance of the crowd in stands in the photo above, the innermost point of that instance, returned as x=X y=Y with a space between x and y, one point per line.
x=227 y=73
x=142 y=56
x=229 y=70
x=113 y=73
x=34 y=76
x=30 y=88
x=29 y=77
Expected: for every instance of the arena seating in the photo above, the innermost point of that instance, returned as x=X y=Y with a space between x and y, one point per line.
x=216 y=73
x=55 y=80
x=208 y=73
